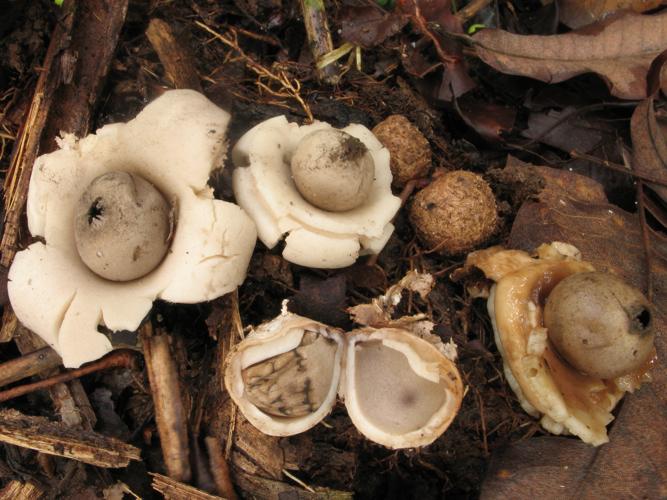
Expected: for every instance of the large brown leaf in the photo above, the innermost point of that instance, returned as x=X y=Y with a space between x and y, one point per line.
x=649 y=145
x=620 y=49
x=578 y=13
x=634 y=463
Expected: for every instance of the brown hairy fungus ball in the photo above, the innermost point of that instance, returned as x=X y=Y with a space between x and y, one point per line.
x=409 y=149
x=455 y=213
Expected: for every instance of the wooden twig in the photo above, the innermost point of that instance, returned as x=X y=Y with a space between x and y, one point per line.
x=220 y=469
x=175 y=490
x=471 y=10
x=64 y=400
x=617 y=167
x=170 y=415
x=174 y=55
x=646 y=240
x=16 y=490
x=319 y=38
x=52 y=438
x=36 y=362
x=125 y=358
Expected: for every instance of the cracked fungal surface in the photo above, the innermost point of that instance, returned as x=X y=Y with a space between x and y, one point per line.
x=295 y=383
x=173 y=144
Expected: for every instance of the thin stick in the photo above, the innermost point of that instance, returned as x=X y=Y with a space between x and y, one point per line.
x=617 y=167
x=174 y=55
x=28 y=365
x=472 y=9
x=319 y=38
x=646 y=241
x=170 y=415
x=122 y=358
x=220 y=469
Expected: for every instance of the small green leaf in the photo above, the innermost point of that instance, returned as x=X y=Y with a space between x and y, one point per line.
x=59 y=3
x=475 y=27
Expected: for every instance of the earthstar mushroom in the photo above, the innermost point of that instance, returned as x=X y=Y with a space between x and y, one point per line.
x=173 y=145
x=271 y=156
x=399 y=382
x=601 y=325
x=546 y=384
x=409 y=149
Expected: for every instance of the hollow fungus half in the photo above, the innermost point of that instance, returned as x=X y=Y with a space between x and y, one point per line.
x=573 y=366
x=400 y=390
x=327 y=190
x=126 y=217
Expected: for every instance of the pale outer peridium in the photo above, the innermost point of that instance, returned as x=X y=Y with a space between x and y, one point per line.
x=284 y=333
x=174 y=143
x=316 y=238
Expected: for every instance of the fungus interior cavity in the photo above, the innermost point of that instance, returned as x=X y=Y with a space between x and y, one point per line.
x=390 y=393
x=294 y=383
x=122 y=226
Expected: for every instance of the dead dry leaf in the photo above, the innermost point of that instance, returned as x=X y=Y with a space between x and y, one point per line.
x=634 y=463
x=620 y=49
x=369 y=26
x=649 y=144
x=578 y=13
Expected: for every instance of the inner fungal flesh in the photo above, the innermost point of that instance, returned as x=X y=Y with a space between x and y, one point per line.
x=294 y=383
x=391 y=394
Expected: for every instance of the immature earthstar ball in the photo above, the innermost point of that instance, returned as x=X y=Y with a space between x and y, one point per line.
x=333 y=170
x=123 y=225
x=409 y=149
x=601 y=325
x=455 y=213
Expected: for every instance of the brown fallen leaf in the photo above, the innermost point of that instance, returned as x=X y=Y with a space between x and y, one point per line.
x=426 y=15
x=578 y=13
x=620 y=49
x=649 y=144
x=369 y=26
x=634 y=463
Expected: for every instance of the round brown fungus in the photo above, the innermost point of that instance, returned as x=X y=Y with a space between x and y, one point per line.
x=409 y=149
x=455 y=213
